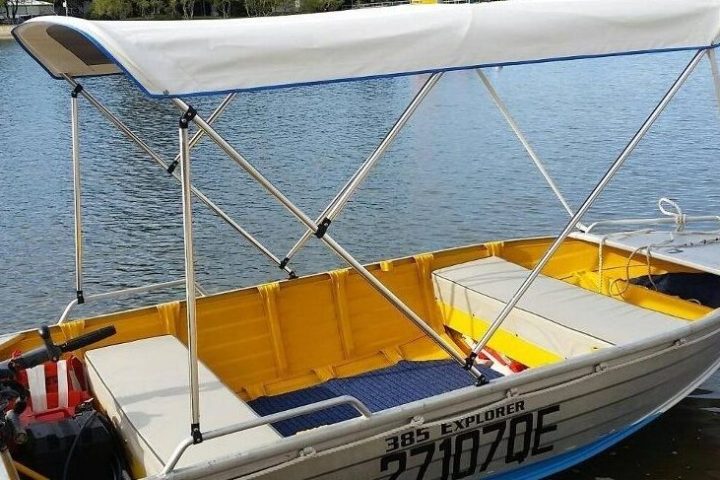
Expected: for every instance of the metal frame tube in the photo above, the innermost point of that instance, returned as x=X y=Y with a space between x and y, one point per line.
x=77 y=203
x=649 y=121
x=118 y=293
x=189 y=280
x=268 y=419
x=651 y=221
x=715 y=74
x=523 y=140
x=159 y=160
x=247 y=166
x=336 y=205
x=297 y=212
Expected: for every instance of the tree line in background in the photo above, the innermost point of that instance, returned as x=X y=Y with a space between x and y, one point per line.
x=175 y=9
x=10 y=7
x=188 y=9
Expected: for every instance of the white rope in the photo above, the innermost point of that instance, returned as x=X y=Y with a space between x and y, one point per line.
x=678 y=215
x=648 y=258
x=681 y=222
x=601 y=259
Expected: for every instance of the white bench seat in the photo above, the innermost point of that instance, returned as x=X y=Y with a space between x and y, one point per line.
x=144 y=388
x=554 y=315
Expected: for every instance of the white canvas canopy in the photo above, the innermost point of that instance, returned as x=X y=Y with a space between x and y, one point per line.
x=213 y=56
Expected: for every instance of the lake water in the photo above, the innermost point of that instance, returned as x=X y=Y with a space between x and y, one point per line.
x=455 y=176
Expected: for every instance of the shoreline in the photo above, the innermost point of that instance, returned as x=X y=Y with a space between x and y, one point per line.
x=5 y=32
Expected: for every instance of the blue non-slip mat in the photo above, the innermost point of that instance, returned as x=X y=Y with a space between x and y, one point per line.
x=379 y=390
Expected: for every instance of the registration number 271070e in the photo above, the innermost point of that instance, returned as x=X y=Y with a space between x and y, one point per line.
x=460 y=455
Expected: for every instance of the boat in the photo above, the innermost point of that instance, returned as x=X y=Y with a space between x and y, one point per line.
x=507 y=359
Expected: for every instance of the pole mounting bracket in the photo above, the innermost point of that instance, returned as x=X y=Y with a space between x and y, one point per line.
x=470 y=361
x=187 y=117
x=75 y=91
x=196 y=433
x=322 y=228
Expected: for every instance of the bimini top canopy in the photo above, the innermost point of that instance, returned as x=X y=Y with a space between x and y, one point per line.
x=211 y=56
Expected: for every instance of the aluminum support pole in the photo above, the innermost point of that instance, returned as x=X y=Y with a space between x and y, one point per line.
x=338 y=203
x=652 y=221
x=159 y=160
x=715 y=74
x=189 y=277
x=77 y=202
x=523 y=140
x=199 y=134
x=320 y=233
x=118 y=293
x=346 y=400
x=649 y=121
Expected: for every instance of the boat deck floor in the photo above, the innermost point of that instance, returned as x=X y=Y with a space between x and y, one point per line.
x=382 y=389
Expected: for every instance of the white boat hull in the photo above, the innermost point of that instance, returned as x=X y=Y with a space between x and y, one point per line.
x=523 y=426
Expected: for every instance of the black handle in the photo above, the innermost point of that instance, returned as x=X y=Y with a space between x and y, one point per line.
x=30 y=359
x=87 y=339
x=50 y=351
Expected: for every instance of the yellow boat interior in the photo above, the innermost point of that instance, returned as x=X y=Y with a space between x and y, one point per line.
x=286 y=336
x=282 y=336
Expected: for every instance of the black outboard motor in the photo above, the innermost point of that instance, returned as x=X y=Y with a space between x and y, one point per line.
x=79 y=448
x=82 y=446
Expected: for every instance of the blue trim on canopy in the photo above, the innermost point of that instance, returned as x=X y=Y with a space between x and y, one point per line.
x=102 y=49
x=449 y=69
x=566 y=460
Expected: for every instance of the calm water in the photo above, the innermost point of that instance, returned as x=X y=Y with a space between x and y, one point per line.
x=455 y=176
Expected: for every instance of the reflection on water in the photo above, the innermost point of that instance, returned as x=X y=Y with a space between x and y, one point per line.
x=455 y=176
x=683 y=444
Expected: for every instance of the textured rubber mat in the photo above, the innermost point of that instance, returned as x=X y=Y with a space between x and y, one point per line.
x=379 y=390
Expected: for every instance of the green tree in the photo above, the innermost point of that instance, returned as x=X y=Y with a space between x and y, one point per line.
x=112 y=9
x=226 y=7
x=260 y=8
x=188 y=8
x=171 y=7
x=312 y=6
x=142 y=7
x=157 y=7
x=11 y=8
x=153 y=8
